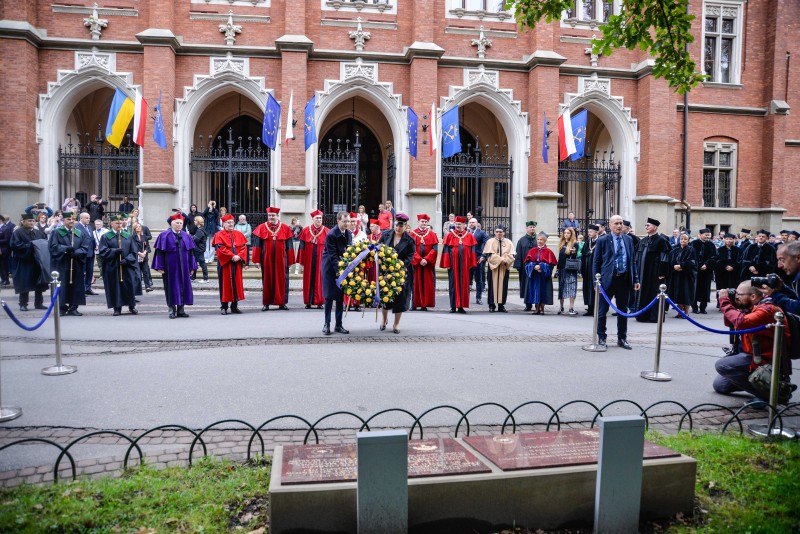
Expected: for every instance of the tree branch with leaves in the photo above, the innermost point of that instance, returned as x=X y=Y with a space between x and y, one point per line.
x=662 y=28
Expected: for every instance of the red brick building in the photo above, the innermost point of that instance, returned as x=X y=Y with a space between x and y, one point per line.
x=215 y=61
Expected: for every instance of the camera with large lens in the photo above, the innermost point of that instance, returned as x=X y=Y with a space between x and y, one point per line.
x=731 y=294
x=771 y=281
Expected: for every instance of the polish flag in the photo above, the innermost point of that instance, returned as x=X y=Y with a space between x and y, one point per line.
x=432 y=131
x=290 y=119
x=139 y=119
x=566 y=143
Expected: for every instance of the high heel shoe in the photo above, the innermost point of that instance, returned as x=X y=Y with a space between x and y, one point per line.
x=396 y=330
x=383 y=326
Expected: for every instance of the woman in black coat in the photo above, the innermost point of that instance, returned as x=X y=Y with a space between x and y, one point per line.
x=683 y=275
x=404 y=244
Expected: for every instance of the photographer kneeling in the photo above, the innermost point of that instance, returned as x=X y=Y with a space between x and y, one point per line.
x=750 y=309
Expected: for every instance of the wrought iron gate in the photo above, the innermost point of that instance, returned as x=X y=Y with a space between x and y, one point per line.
x=236 y=174
x=93 y=167
x=590 y=188
x=478 y=182
x=340 y=184
x=390 y=178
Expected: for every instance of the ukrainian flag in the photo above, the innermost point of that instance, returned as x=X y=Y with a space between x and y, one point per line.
x=119 y=117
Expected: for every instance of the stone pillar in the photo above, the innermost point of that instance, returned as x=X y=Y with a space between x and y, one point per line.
x=658 y=207
x=158 y=193
x=423 y=194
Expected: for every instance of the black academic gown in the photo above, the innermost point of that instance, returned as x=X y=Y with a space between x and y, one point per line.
x=727 y=257
x=68 y=252
x=652 y=261
x=27 y=272
x=587 y=280
x=762 y=257
x=705 y=254
x=682 y=283
x=524 y=245
x=119 y=268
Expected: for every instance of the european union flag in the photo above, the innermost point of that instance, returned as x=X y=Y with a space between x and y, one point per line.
x=272 y=119
x=413 y=125
x=159 y=136
x=451 y=139
x=579 y=134
x=310 y=123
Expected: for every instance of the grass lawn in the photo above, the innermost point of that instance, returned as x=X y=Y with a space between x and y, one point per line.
x=743 y=485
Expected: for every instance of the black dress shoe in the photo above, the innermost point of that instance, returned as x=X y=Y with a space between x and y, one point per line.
x=502 y=309
x=223 y=311
x=236 y=310
x=172 y=314
x=183 y=314
x=588 y=314
x=23 y=307
x=149 y=289
x=703 y=312
x=117 y=313
x=326 y=329
x=452 y=310
x=308 y=306
x=40 y=307
x=283 y=307
x=491 y=310
x=264 y=308
x=74 y=312
x=624 y=344
x=424 y=309
x=462 y=310
x=137 y=301
x=90 y=292
x=341 y=330
x=528 y=308
x=62 y=313
x=133 y=311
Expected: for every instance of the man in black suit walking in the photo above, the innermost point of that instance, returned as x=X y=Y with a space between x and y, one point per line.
x=336 y=243
x=614 y=260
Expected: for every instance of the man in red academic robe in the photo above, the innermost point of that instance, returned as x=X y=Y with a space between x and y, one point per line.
x=231 y=247
x=424 y=263
x=273 y=252
x=458 y=257
x=312 y=243
x=375 y=231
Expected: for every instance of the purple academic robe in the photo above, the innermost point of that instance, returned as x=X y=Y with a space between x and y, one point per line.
x=175 y=258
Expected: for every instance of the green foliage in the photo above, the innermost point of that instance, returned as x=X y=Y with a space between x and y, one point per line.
x=211 y=496
x=659 y=27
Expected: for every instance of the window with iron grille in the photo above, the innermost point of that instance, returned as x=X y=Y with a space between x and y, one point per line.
x=719 y=174
x=722 y=32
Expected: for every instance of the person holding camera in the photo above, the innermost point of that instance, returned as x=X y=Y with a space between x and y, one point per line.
x=95 y=207
x=786 y=297
x=211 y=215
x=744 y=308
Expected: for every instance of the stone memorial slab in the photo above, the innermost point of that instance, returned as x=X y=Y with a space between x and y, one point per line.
x=511 y=452
x=315 y=464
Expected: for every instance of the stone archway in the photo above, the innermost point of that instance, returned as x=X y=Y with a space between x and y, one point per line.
x=227 y=75
x=93 y=70
x=594 y=94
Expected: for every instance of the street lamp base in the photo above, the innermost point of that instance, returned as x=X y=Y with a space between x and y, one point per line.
x=7 y=413
x=776 y=432
x=656 y=376
x=59 y=370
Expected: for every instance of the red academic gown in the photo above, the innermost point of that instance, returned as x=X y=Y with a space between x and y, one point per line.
x=458 y=257
x=312 y=242
x=425 y=276
x=228 y=245
x=272 y=249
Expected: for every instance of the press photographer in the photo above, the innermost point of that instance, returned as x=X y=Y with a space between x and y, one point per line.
x=786 y=297
x=744 y=309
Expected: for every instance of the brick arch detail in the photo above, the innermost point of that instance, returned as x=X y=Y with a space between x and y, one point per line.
x=92 y=71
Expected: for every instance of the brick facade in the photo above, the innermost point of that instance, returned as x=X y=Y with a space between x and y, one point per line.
x=422 y=51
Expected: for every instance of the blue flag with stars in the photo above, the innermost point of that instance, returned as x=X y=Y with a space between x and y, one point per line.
x=579 y=134
x=413 y=125
x=451 y=140
x=309 y=123
x=159 y=136
x=272 y=119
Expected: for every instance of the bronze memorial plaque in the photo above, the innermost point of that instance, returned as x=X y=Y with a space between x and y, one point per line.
x=511 y=452
x=314 y=464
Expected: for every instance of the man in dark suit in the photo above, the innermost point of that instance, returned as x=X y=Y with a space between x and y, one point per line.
x=614 y=260
x=336 y=243
x=6 y=229
x=478 y=273
x=85 y=227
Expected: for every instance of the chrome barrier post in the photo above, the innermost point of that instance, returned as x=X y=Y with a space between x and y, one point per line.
x=655 y=374
x=58 y=368
x=777 y=353
x=595 y=346
x=7 y=413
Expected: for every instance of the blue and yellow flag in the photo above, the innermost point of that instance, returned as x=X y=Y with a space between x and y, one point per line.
x=451 y=138
x=272 y=120
x=309 y=123
x=579 y=134
x=119 y=117
x=413 y=125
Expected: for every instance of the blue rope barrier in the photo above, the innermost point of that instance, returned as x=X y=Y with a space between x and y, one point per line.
x=622 y=313
x=42 y=321
x=712 y=330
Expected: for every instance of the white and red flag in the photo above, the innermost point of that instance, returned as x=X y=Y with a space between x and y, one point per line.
x=139 y=119
x=566 y=142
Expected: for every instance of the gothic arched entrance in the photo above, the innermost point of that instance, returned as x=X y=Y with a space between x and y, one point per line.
x=350 y=170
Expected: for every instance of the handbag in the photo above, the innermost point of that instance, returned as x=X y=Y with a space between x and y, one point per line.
x=572 y=265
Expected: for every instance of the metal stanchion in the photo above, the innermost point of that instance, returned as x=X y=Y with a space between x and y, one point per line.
x=58 y=368
x=777 y=353
x=655 y=374
x=7 y=413
x=595 y=346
